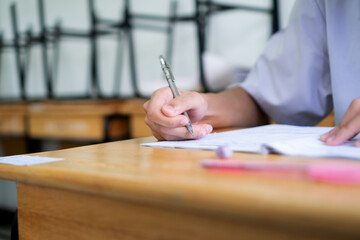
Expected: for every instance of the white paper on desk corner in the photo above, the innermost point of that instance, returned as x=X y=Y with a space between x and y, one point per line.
x=24 y=160
x=276 y=138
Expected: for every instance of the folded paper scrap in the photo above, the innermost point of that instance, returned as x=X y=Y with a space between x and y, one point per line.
x=274 y=138
x=24 y=160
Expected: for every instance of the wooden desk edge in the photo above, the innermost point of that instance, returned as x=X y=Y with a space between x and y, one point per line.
x=156 y=192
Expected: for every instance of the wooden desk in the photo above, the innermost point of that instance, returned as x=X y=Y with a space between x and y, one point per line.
x=12 y=119
x=13 y=127
x=120 y=190
x=78 y=120
x=134 y=109
x=84 y=120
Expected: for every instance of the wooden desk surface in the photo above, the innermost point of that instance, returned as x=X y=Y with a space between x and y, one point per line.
x=81 y=120
x=12 y=118
x=173 y=178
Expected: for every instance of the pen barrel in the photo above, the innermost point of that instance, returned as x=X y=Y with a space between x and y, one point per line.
x=173 y=88
x=189 y=123
x=171 y=81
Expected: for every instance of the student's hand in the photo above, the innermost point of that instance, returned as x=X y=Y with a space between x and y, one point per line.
x=164 y=114
x=348 y=128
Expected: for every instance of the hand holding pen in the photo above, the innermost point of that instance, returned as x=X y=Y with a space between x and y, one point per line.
x=171 y=81
x=165 y=112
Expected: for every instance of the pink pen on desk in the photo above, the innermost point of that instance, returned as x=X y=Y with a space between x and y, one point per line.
x=326 y=171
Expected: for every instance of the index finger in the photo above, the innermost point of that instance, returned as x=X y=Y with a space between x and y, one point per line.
x=345 y=132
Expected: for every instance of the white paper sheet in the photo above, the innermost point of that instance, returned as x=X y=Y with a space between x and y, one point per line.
x=283 y=139
x=23 y=160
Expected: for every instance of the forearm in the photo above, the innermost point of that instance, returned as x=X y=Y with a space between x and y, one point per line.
x=233 y=108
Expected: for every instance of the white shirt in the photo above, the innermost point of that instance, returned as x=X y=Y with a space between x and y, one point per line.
x=312 y=66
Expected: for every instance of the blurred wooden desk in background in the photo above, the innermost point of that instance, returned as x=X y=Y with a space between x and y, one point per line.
x=120 y=190
x=12 y=119
x=134 y=109
x=82 y=121
x=13 y=127
x=92 y=120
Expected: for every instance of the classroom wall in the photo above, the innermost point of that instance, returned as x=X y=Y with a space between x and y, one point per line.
x=235 y=40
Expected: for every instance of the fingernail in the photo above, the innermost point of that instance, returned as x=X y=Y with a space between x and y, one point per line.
x=323 y=137
x=200 y=134
x=330 y=140
x=203 y=133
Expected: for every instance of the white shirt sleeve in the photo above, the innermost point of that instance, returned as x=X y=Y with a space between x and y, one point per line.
x=291 y=79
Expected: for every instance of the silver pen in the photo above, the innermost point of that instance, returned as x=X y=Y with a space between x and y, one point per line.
x=171 y=81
